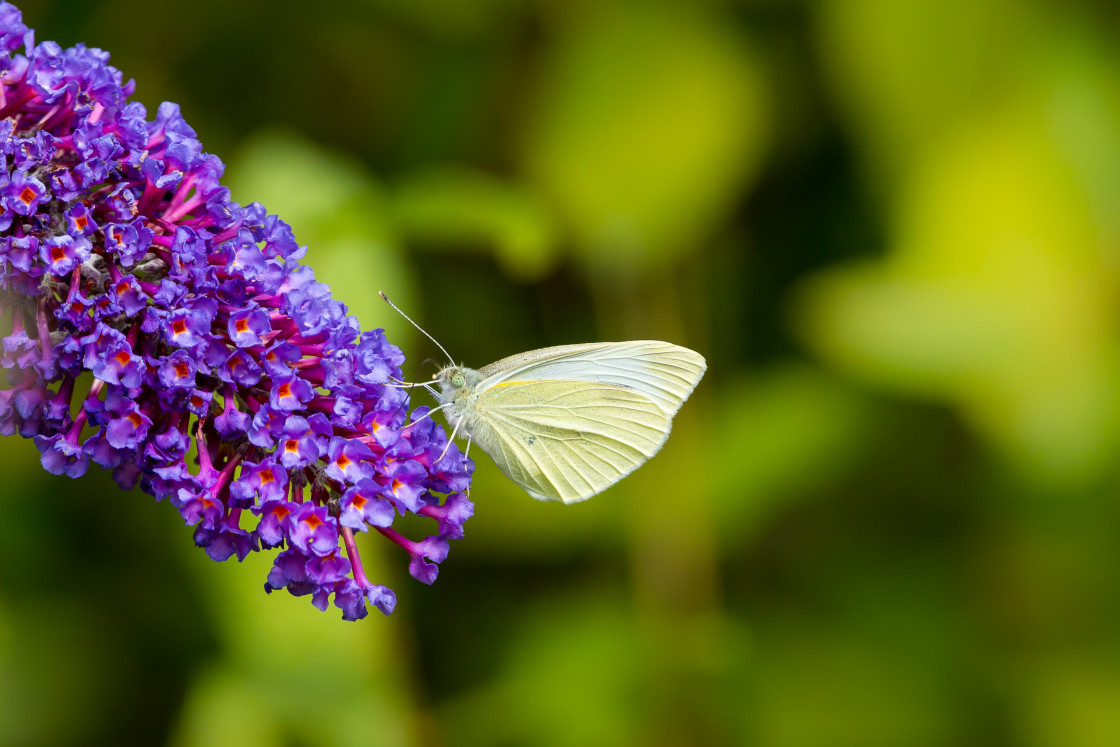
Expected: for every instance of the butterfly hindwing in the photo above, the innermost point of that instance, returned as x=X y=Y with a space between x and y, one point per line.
x=567 y=440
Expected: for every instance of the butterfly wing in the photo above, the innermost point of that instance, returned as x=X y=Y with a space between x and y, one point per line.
x=664 y=372
x=566 y=423
x=567 y=440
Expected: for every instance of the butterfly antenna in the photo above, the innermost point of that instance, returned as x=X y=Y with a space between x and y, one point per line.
x=414 y=324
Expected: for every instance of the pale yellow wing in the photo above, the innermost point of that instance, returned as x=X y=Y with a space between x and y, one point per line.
x=663 y=372
x=566 y=440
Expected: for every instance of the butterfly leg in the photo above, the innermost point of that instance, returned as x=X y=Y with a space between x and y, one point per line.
x=465 y=453
x=428 y=414
x=450 y=439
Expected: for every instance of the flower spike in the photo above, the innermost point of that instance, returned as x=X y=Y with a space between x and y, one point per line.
x=123 y=257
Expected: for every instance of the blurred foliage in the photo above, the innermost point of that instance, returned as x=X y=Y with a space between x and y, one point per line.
x=888 y=516
x=642 y=183
x=459 y=208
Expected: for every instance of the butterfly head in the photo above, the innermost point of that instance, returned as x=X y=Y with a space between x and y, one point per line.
x=453 y=379
x=458 y=387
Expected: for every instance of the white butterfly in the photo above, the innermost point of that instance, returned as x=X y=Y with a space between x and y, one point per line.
x=568 y=422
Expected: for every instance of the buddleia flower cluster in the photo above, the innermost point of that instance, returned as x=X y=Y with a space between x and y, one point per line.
x=162 y=331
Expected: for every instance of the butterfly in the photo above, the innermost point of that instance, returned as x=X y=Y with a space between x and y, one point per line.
x=567 y=422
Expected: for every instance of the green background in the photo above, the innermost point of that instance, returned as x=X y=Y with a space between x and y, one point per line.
x=888 y=516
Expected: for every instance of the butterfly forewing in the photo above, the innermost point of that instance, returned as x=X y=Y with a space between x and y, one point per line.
x=567 y=439
x=663 y=372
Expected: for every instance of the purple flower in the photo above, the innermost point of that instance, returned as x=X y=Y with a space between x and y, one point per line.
x=290 y=394
x=363 y=504
x=79 y=220
x=348 y=460
x=62 y=455
x=289 y=571
x=265 y=482
x=385 y=424
x=109 y=356
x=381 y=597
x=278 y=356
x=424 y=556
x=21 y=252
x=130 y=296
x=190 y=325
x=406 y=484
x=24 y=194
x=130 y=241
x=248 y=326
x=376 y=358
x=273 y=526
x=11 y=27
x=232 y=422
x=177 y=370
x=328 y=570
x=227 y=540
x=240 y=368
x=61 y=254
x=126 y=425
x=313 y=530
x=19 y=350
x=303 y=440
x=201 y=360
x=201 y=508
x=451 y=515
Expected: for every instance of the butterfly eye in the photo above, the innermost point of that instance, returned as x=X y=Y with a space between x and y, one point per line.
x=457 y=380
